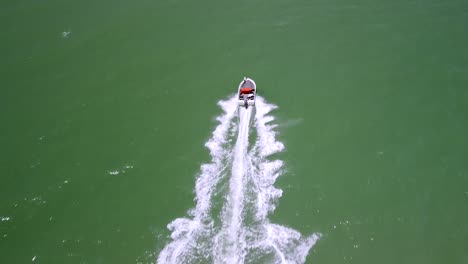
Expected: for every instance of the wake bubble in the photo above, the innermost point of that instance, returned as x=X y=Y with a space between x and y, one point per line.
x=241 y=181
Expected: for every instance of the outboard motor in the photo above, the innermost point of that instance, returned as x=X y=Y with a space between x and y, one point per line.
x=246 y=102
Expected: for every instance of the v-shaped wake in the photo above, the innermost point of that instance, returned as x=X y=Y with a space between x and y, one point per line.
x=234 y=195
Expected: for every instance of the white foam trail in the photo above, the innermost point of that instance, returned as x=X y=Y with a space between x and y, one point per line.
x=267 y=171
x=283 y=244
x=243 y=233
x=230 y=241
x=186 y=232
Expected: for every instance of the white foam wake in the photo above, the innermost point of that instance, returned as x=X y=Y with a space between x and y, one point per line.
x=187 y=234
x=230 y=242
x=241 y=231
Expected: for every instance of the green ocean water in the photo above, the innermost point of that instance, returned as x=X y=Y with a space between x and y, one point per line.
x=105 y=108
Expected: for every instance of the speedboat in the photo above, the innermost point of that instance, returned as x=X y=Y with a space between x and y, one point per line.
x=247 y=92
